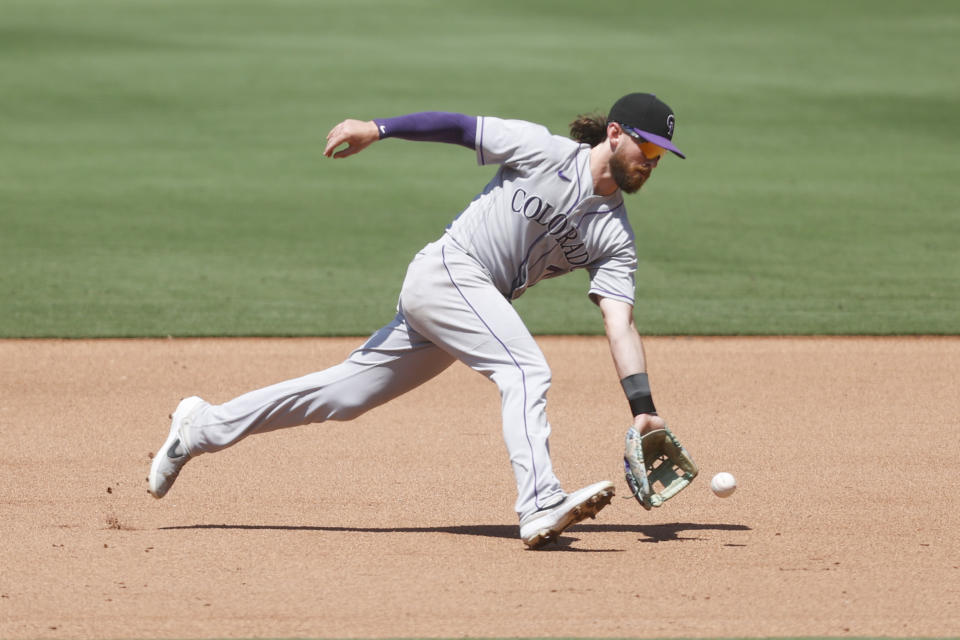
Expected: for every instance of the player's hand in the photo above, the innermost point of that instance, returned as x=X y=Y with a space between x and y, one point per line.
x=357 y=134
x=646 y=422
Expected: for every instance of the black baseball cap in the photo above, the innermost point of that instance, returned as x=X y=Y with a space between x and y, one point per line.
x=646 y=116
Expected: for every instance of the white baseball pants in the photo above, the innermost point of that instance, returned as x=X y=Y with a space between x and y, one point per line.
x=449 y=309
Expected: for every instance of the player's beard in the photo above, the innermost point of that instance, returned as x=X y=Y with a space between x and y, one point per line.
x=628 y=180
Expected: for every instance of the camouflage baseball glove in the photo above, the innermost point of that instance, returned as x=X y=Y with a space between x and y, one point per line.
x=657 y=466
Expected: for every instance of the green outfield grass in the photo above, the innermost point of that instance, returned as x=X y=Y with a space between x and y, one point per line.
x=161 y=169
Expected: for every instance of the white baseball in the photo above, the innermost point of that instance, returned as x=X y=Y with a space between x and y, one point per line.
x=723 y=484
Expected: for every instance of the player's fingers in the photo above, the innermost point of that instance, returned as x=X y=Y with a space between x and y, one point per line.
x=346 y=151
x=335 y=137
x=337 y=130
x=355 y=134
x=333 y=142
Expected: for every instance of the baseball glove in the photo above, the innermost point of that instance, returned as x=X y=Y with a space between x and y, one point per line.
x=656 y=459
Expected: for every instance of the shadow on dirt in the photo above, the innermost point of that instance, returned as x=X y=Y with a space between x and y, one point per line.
x=670 y=532
x=652 y=533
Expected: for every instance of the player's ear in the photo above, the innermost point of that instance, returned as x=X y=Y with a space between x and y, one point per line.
x=614 y=131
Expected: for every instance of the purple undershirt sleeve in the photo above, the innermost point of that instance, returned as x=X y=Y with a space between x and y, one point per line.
x=431 y=126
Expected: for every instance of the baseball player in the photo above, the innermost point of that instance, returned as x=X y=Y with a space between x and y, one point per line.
x=554 y=205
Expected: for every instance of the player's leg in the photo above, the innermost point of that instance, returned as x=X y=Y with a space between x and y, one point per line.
x=393 y=361
x=449 y=298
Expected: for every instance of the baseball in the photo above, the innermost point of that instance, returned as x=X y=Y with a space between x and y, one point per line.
x=723 y=484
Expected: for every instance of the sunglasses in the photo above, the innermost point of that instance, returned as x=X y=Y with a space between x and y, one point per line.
x=650 y=150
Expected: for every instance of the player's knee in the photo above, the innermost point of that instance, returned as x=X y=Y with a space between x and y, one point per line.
x=538 y=379
x=533 y=378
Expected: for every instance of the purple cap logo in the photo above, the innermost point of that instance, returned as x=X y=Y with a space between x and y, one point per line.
x=670 y=123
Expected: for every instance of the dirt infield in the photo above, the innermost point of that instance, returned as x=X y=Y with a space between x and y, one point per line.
x=400 y=523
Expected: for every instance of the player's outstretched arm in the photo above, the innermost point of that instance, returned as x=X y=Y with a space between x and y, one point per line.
x=426 y=126
x=652 y=456
x=357 y=134
x=629 y=358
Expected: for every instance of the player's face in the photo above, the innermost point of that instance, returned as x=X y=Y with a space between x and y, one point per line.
x=630 y=166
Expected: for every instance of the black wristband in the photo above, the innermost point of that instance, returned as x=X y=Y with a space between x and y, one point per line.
x=637 y=388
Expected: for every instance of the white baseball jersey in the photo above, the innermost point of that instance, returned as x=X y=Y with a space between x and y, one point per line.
x=539 y=217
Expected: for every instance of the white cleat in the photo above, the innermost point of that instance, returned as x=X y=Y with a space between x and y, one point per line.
x=545 y=526
x=172 y=455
